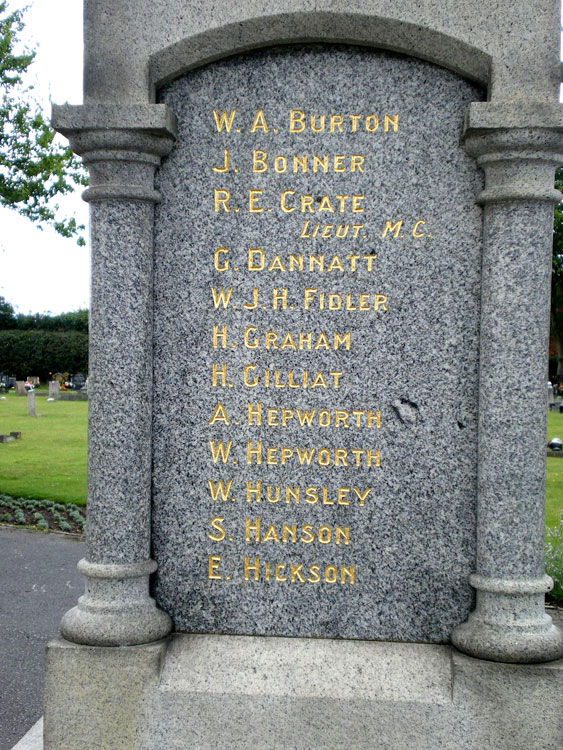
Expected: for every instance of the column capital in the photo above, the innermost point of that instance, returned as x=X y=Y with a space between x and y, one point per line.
x=518 y=145
x=121 y=145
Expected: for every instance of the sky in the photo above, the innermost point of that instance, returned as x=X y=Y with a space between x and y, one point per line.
x=40 y=271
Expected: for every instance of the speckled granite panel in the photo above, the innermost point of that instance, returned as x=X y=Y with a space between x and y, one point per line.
x=342 y=423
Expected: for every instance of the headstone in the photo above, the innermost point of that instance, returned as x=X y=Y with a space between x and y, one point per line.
x=54 y=388
x=314 y=324
x=556 y=444
x=31 y=404
x=78 y=380
x=550 y=396
x=20 y=388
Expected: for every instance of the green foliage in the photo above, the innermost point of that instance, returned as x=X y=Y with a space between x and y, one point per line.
x=40 y=344
x=7 y=315
x=24 y=353
x=70 y=321
x=554 y=477
x=50 y=459
x=34 y=170
x=43 y=514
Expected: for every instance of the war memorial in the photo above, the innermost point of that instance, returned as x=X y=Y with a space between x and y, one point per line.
x=321 y=247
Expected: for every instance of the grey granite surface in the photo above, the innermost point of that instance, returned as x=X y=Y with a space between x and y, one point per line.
x=236 y=692
x=513 y=47
x=411 y=542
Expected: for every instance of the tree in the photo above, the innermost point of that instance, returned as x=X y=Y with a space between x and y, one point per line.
x=7 y=315
x=557 y=277
x=41 y=344
x=34 y=169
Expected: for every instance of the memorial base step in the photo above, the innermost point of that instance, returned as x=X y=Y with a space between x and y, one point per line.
x=264 y=693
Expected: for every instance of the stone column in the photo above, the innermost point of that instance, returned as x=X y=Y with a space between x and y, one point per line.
x=122 y=146
x=518 y=147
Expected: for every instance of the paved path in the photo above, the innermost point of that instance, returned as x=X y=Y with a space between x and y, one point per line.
x=38 y=584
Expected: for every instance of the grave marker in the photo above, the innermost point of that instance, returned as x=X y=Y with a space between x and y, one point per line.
x=31 y=404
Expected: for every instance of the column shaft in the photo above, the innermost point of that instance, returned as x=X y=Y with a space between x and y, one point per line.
x=509 y=622
x=122 y=147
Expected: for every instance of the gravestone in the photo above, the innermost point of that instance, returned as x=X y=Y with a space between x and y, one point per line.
x=78 y=380
x=20 y=388
x=54 y=388
x=31 y=404
x=317 y=318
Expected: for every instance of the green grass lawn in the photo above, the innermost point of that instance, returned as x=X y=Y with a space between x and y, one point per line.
x=49 y=462
x=554 y=478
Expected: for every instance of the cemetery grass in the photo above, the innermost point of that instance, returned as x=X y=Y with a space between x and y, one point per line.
x=554 y=479
x=49 y=461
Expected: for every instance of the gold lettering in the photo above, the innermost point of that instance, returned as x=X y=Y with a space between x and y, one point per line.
x=259 y=123
x=225 y=167
x=224 y=120
x=219 y=415
x=213 y=567
x=219 y=488
x=221 y=200
x=253 y=197
x=217 y=525
x=390 y=227
x=218 y=266
x=415 y=232
x=296 y=121
x=392 y=120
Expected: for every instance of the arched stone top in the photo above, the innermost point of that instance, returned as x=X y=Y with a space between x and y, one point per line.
x=132 y=47
x=324 y=27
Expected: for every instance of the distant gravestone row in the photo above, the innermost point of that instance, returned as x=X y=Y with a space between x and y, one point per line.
x=14 y=435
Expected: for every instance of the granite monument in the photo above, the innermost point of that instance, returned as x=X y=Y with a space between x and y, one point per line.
x=321 y=249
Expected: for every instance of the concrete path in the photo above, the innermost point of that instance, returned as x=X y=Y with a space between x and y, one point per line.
x=38 y=584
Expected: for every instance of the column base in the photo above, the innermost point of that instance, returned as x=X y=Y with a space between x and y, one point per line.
x=509 y=623
x=116 y=609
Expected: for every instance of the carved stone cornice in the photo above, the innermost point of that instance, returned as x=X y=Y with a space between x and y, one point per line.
x=518 y=146
x=121 y=146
